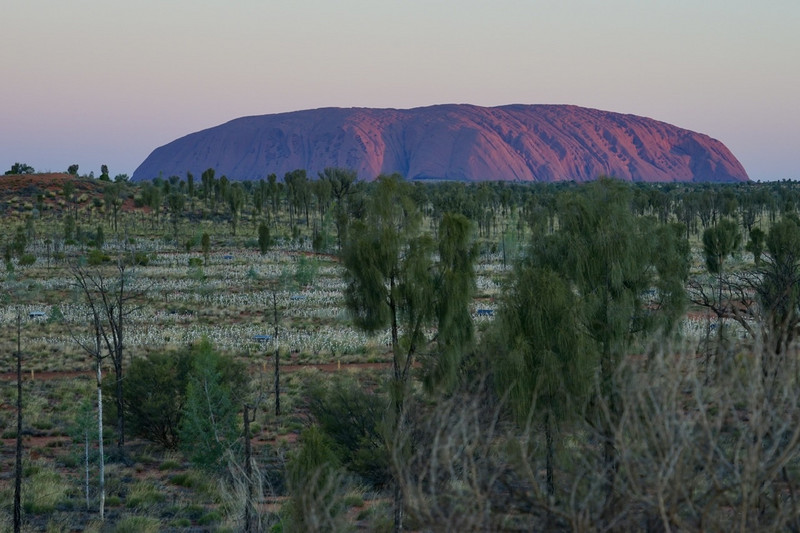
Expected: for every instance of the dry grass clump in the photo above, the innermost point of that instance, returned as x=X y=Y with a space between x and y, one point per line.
x=144 y=495
x=43 y=490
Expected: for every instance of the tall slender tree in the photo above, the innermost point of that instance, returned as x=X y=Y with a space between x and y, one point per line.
x=389 y=283
x=341 y=181
x=175 y=203
x=235 y=204
x=540 y=357
x=720 y=242
x=190 y=189
x=612 y=261
x=208 y=185
x=454 y=279
x=393 y=281
x=777 y=287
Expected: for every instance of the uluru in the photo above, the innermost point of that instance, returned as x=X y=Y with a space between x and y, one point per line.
x=458 y=142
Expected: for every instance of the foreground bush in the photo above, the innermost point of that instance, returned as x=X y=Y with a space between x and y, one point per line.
x=316 y=485
x=352 y=418
x=697 y=450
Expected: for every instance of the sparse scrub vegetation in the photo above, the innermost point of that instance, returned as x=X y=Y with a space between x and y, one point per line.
x=565 y=357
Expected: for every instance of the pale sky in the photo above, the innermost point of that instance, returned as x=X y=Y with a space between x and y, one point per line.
x=106 y=82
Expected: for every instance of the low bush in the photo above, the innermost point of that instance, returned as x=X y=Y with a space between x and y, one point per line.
x=97 y=257
x=209 y=423
x=138 y=524
x=209 y=518
x=154 y=394
x=352 y=418
x=316 y=485
x=137 y=259
x=169 y=464
x=27 y=259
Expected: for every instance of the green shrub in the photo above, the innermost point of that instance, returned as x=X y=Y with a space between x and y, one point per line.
x=264 y=241
x=190 y=480
x=209 y=425
x=27 y=259
x=70 y=460
x=197 y=481
x=352 y=417
x=55 y=315
x=209 y=518
x=20 y=242
x=99 y=237
x=305 y=271
x=42 y=424
x=154 y=394
x=205 y=245
x=316 y=484
x=196 y=274
x=354 y=500
x=169 y=464
x=320 y=242
x=138 y=524
x=195 y=262
x=97 y=257
x=137 y=259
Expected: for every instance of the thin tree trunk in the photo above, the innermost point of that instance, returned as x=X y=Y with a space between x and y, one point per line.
x=120 y=407
x=609 y=446
x=548 y=436
x=551 y=487
x=248 y=472
x=102 y=488
x=398 y=506
x=18 y=451
x=277 y=358
x=398 y=405
x=86 y=465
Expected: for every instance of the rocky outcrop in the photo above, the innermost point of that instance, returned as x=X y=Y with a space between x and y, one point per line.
x=451 y=142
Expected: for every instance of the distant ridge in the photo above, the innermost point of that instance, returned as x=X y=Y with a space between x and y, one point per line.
x=451 y=142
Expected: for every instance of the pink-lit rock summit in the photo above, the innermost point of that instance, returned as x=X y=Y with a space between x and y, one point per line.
x=451 y=142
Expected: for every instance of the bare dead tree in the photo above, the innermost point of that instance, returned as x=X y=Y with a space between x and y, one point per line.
x=95 y=350
x=765 y=303
x=110 y=300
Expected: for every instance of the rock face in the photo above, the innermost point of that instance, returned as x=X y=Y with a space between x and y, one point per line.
x=451 y=142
